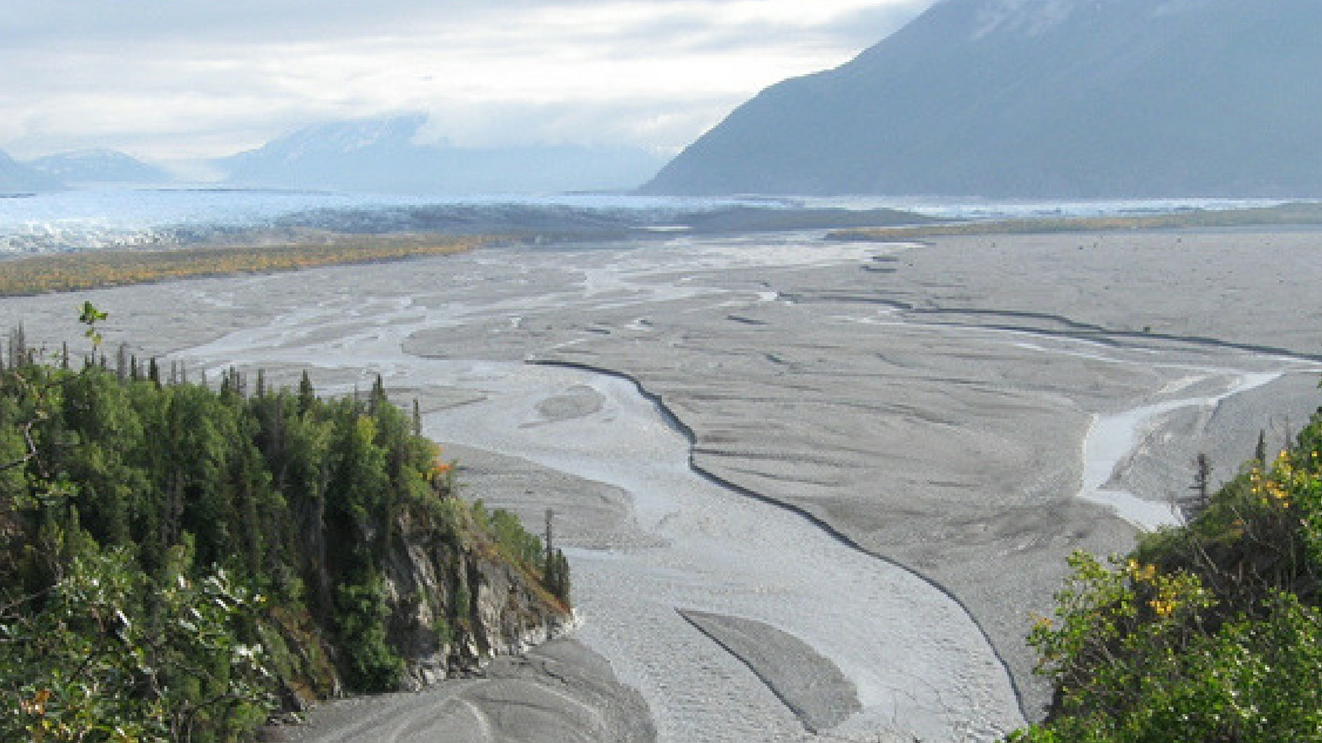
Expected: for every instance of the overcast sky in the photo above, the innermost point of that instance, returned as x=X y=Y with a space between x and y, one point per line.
x=180 y=79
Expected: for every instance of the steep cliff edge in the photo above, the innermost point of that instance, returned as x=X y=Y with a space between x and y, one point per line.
x=456 y=604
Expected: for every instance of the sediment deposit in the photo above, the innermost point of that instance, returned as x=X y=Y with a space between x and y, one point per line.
x=875 y=450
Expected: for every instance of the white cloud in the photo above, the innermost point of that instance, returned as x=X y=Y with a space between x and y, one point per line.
x=190 y=78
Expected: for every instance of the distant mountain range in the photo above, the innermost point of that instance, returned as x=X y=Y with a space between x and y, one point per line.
x=1041 y=98
x=16 y=177
x=385 y=154
x=389 y=154
x=98 y=166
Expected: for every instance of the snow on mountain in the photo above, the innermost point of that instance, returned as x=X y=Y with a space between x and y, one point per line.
x=388 y=155
x=1025 y=17
x=98 y=166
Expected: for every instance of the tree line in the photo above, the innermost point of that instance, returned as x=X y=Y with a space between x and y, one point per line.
x=177 y=562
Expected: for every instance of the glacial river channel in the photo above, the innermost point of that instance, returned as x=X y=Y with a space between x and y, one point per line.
x=916 y=661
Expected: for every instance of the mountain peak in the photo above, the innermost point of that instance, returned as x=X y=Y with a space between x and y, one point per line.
x=394 y=154
x=98 y=166
x=15 y=177
x=349 y=136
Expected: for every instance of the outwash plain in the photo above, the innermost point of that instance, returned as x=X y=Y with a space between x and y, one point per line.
x=810 y=489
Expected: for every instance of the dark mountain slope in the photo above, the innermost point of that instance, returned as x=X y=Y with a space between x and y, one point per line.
x=1024 y=98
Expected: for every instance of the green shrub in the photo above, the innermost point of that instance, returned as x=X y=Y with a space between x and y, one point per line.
x=517 y=543
x=371 y=663
x=1207 y=633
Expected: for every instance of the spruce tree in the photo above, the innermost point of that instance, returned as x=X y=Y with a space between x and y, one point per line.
x=306 y=395
x=377 y=397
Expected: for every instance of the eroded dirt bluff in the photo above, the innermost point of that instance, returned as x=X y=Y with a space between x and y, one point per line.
x=495 y=606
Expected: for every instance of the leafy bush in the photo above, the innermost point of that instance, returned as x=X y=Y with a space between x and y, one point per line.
x=100 y=657
x=372 y=664
x=517 y=542
x=1208 y=632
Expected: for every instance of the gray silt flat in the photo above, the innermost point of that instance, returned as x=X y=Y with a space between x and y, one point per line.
x=810 y=685
x=560 y=692
x=932 y=411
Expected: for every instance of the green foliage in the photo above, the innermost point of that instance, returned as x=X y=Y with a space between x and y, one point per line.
x=90 y=317
x=443 y=630
x=1209 y=632
x=556 y=577
x=516 y=542
x=512 y=539
x=463 y=601
x=372 y=664
x=102 y=657
x=1251 y=679
x=174 y=560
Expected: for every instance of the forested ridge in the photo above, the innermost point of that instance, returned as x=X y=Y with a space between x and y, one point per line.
x=1206 y=633
x=178 y=562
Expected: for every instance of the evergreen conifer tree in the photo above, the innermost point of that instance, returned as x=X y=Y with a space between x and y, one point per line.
x=306 y=395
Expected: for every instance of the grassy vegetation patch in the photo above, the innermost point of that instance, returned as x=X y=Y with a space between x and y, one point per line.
x=99 y=268
x=1285 y=214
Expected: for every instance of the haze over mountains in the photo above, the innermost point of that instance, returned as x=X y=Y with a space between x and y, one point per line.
x=386 y=154
x=1041 y=98
x=997 y=99
x=98 y=166
x=15 y=177
x=391 y=154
